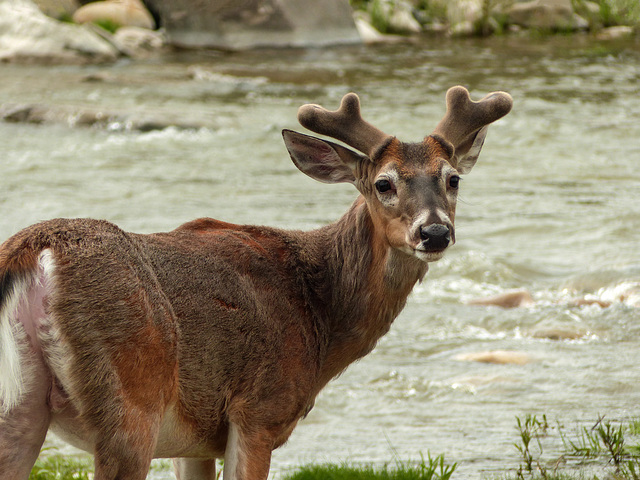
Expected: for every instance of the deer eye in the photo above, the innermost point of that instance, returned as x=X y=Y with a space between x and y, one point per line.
x=383 y=185
x=454 y=181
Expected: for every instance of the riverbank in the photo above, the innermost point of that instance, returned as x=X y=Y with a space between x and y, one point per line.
x=55 y=32
x=548 y=450
x=607 y=19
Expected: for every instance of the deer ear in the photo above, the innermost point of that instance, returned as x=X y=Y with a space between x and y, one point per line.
x=321 y=160
x=466 y=156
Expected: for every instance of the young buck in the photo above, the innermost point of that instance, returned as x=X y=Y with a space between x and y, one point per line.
x=214 y=339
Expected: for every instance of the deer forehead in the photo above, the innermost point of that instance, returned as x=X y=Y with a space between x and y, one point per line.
x=409 y=160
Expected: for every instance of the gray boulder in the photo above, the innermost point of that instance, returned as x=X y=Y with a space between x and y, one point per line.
x=58 y=8
x=27 y=34
x=230 y=24
x=553 y=15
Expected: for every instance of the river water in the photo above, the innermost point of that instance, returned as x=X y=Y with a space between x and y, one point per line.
x=553 y=207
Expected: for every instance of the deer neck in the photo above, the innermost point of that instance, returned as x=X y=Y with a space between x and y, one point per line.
x=365 y=288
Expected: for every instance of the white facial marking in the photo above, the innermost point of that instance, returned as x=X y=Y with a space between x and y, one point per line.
x=389 y=199
x=442 y=216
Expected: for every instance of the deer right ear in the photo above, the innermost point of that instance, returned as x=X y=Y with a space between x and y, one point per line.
x=322 y=160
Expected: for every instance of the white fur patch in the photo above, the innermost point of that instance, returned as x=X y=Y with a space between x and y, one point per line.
x=232 y=454
x=16 y=357
x=46 y=264
x=13 y=340
x=419 y=222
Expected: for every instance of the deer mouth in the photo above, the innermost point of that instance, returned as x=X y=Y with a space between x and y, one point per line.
x=428 y=255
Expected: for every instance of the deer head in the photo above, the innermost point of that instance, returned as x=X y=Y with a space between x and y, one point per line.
x=410 y=188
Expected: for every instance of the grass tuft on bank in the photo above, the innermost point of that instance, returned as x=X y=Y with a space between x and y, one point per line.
x=58 y=467
x=428 y=469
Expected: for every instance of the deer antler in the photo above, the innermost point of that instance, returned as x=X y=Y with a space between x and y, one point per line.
x=345 y=124
x=464 y=117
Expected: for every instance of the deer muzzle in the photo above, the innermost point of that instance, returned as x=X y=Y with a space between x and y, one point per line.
x=435 y=237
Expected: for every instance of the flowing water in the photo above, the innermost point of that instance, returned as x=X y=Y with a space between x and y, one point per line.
x=553 y=207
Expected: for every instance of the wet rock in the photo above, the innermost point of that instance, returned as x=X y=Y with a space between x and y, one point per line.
x=615 y=33
x=463 y=15
x=367 y=32
x=462 y=29
x=589 y=11
x=397 y=17
x=123 y=13
x=501 y=357
x=138 y=42
x=370 y=35
x=28 y=35
x=553 y=15
x=234 y=25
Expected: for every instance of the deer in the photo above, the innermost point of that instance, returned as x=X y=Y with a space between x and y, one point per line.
x=213 y=340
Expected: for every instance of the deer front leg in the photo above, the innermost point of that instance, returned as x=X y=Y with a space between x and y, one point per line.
x=194 y=469
x=248 y=454
x=126 y=439
x=120 y=457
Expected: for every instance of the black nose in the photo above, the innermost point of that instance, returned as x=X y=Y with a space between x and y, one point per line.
x=435 y=237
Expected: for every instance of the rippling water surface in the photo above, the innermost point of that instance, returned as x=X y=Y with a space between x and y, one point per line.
x=553 y=207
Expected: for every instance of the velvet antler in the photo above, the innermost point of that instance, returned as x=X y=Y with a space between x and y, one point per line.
x=464 y=124
x=345 y=124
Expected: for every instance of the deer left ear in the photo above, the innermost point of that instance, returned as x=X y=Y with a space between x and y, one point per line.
x=322 y=160
x=466 y=156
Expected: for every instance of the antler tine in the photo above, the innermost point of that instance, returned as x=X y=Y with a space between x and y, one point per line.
x=345 y=124
x=464 y=117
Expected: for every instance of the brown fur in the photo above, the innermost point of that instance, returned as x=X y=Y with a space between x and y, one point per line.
x=178 y=340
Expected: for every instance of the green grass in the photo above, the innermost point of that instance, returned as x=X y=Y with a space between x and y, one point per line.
x=609 y=445
x=426 y=469
x=108 y=25
x=53 y=466
x=57 y=467
x=619 y=12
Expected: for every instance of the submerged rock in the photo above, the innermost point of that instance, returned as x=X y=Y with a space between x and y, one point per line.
x=27 y=34
x=510 y=299
x=558 y=334
x=73 y=116
x=501 y=357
